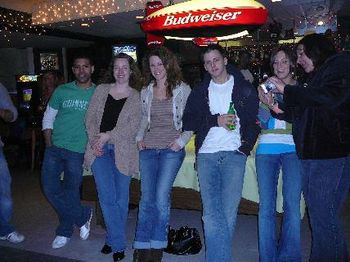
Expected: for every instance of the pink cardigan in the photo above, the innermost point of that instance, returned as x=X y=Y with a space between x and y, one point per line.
x=123 y=136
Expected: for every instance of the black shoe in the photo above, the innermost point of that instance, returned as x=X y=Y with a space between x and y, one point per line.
x=156 y=255
x=106 y=249
x=142 y=255
x=117 y=256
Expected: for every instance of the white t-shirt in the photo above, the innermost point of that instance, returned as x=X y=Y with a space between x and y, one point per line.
x=218 y=138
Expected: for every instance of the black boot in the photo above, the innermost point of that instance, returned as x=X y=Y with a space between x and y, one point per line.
x=106 y=249
x=156 y=255
x=141 y=255
x=117 y=256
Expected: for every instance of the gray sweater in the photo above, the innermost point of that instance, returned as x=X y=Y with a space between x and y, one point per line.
x=122 y=136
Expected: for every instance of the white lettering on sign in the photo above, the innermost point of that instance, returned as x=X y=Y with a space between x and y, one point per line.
x=172 y=20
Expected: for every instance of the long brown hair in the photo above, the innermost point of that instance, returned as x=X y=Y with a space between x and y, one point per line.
x=169 y=60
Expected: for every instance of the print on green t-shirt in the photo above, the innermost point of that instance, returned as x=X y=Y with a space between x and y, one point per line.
x=71 y=102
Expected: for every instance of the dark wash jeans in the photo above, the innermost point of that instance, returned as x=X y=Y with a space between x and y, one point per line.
x=326 y=185
x=113 y=194
x=64 y=195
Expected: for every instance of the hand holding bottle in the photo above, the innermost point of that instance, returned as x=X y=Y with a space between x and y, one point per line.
x=232 y=111
x=228 y=121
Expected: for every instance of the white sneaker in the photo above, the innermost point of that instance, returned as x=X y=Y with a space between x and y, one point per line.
x=13 y=237
x=85 y=229
x=59 y=242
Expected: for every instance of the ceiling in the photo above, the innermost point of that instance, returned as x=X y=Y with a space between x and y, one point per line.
x=125 y=26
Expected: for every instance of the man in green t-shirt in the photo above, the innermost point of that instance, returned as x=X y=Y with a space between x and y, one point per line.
x=65 y=139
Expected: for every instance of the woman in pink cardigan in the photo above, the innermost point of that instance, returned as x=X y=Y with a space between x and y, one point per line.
x=112 y=121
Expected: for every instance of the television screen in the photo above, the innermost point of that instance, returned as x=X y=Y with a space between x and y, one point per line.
x=130 y=50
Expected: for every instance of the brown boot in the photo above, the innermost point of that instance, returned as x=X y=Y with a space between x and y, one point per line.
x=156 y=255
x=141 y=255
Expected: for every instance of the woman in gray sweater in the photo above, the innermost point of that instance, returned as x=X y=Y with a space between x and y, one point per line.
x=112 y=121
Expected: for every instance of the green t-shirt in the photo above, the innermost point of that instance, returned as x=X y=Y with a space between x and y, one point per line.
x=71 y=102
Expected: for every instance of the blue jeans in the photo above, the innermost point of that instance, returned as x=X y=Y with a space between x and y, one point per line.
x=5 y=197
x=64 y=195
x=326 y=185
x=221 y=182
x=268 y=168
x=113 y=194
x=158 y=169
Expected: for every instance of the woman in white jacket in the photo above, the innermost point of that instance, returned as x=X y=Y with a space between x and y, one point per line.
x=161 y=143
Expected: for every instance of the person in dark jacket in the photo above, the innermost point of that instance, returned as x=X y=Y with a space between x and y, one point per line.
x=221 y=152
x=320 y=113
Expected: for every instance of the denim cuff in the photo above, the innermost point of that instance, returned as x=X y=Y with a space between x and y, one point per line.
x=142 y=245
x=156 y=244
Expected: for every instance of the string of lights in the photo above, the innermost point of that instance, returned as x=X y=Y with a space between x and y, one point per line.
x=52 y=11
x=12 y=21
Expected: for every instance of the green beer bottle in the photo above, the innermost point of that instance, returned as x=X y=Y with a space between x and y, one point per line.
x=232 y=111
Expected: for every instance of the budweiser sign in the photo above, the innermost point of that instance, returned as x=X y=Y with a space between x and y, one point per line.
x=211 y=19
x=203 y=18
x=200 y=18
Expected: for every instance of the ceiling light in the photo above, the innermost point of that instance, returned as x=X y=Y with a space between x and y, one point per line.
x=84 y=24
x=139 y=17
x=320 y=23
x=276 y=0
x=219 y=38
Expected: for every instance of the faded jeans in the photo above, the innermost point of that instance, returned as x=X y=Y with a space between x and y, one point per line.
x=158 y=170
x=5 y=197
x=268 y=167
x=221 y=182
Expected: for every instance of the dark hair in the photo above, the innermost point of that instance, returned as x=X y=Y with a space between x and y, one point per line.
x=135 y=76
x=169 y=60
x=83 y=55
x=45 y=93
x=318 y=48
x=289 y=54
x=210 y=48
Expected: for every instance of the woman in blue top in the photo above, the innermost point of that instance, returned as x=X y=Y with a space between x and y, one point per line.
x=276 y=152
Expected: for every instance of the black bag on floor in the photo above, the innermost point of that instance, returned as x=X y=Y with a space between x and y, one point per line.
x=183 y=241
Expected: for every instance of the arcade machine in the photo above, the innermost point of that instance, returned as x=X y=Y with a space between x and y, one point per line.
x=28 y=95
x=29 y=122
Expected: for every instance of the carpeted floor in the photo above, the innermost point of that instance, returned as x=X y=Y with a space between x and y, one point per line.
x=10 y=254
x=35 y=218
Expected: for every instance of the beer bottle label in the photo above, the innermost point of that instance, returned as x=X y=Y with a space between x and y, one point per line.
x=232 y=111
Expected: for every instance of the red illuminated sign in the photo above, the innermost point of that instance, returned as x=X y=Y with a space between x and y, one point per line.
x=205 y=22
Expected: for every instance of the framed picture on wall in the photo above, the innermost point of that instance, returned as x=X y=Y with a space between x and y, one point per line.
x=49 y=61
